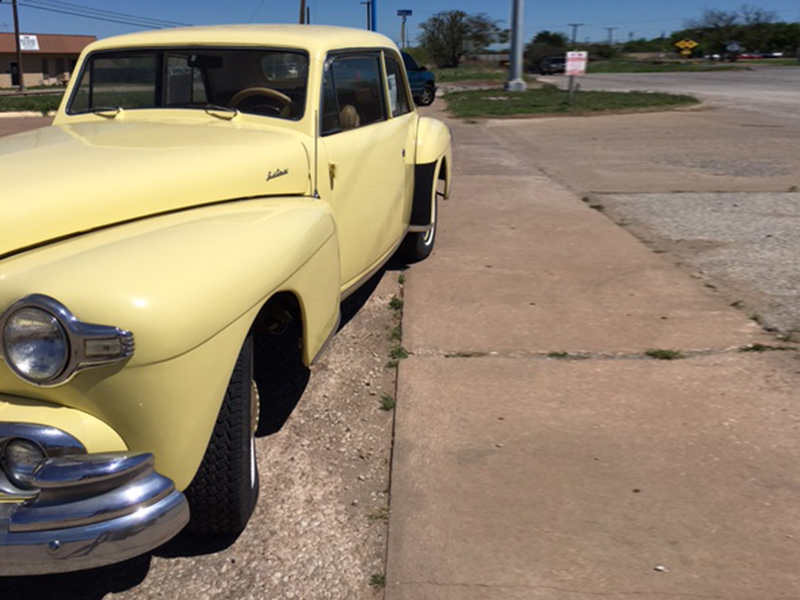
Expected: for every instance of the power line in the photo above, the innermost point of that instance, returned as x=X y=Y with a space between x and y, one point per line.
x=82 y=8
x=98 y=14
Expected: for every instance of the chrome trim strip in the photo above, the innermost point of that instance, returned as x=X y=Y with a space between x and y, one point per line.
x=420 y=228
x=78 y=334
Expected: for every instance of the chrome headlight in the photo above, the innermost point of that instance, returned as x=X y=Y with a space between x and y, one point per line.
x=35 y=345
x=45 y=344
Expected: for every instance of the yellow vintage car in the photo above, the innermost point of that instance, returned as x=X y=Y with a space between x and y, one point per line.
x=199 y=189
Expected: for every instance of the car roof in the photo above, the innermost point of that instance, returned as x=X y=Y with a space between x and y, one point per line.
x=316 y=39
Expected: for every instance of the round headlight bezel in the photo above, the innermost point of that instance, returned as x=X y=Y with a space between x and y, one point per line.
x=86 y=345
x=21 y=359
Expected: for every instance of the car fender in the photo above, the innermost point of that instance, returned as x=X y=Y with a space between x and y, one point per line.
x=434 y=146
x=189 y=309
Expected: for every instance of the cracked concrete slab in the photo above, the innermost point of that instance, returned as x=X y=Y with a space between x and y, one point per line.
x=545 y=479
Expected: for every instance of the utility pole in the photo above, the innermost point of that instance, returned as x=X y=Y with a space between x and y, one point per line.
x=368 y=4
x=302 y=12
x=575 y=32
x=610 y=31
x=515 y=81
x=20 y=71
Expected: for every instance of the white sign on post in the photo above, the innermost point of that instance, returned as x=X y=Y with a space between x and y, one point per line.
x=576 y=63
x=28 y=42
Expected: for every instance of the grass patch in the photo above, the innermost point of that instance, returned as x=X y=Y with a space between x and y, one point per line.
x=377 y=581
x=473 y=73
x=665 y=354
x=551 y=100
x=558 y=355
x=388 y=403
x=41 y=104
x=401 y=279
x=396 y=334
x=396 y=303
x=638 y=66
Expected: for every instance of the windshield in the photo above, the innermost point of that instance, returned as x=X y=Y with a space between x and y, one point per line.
x=270 y=83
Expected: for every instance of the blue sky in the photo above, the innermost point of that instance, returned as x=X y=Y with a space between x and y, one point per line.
x=642 y=18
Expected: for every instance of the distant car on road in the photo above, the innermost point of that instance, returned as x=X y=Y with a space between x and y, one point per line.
x=422 y=81
x=552 y=65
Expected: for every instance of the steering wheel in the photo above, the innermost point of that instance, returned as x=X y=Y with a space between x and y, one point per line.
x=246 y=93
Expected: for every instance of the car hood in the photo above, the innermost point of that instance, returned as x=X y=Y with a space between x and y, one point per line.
x=62 y=180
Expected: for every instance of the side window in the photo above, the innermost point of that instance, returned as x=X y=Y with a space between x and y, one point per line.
x=352 y=93
x=398 y=97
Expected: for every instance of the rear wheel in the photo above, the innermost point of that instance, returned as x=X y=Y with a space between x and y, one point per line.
x=224 y=491
x=418 y=245
x=427 y=96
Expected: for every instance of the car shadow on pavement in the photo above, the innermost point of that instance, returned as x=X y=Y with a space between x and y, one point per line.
x=93 y=584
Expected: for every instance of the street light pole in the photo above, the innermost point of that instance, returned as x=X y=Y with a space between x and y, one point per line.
x=515 y=81
x=368 y=4
x=374 y=26
x=20 y=71
x=610 y=31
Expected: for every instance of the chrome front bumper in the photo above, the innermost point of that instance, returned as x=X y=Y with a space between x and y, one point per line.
x=87 y=510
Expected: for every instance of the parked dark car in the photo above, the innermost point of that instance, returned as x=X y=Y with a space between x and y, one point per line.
x=552 y=65
x=422 y=81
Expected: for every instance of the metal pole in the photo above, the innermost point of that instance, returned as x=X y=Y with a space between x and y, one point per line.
x=20 y=71
x=610 y=34
x=302 y=11
x=403 y=33
x=572 y=77
x=374 y=26
x=515 y=81
x=368 y=4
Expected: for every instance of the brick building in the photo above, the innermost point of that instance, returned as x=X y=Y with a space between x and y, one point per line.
x=47 y=59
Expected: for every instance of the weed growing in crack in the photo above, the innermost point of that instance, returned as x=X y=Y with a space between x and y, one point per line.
x=396 y=303
x=401 y=279
x=398 y=353
x=380 y=513
x=377 y=581
x=387 y=402
x=396 y=334
x=665 y=354
x=764 y=348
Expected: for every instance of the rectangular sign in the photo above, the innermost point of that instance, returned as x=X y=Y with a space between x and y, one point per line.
x=404 y=13
x=29 y=42
x=576 y=63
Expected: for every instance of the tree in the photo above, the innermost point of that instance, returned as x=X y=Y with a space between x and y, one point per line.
x=448 y=36
x=544 y=44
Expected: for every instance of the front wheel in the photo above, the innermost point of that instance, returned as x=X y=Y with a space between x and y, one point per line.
x=224 y=491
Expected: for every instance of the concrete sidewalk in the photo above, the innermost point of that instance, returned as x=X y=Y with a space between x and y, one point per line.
x=540 y=453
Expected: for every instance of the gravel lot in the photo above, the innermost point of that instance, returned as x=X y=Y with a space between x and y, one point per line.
x=746 y=245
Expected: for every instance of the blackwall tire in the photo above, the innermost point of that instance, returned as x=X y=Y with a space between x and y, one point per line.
x=224 y=491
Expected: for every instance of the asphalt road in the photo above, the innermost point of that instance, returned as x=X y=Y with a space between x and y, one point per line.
x=771 y=91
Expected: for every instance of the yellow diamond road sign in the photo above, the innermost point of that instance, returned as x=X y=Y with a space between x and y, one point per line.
x=686 y=44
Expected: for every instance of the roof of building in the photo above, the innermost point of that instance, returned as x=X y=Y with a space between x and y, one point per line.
x=49 y=43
